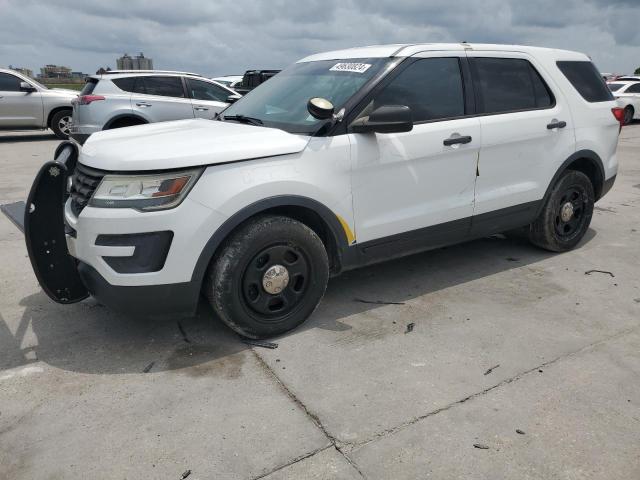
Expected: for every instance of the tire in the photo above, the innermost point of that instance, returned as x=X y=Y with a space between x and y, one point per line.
x=628 y=115
x=240 y=292
x=560 y=227
x=60 y=123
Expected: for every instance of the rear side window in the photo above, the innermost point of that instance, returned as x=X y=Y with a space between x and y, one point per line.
x=586 y=79
x=162 y=86
x=431 y=88
x=614 y=87
x=89 y=86
x=9 y=83
x=127 y=83
x=508 y=85
x=634 y=88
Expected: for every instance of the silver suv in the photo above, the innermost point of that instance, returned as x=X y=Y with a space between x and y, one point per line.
x=122 y=98
x=28 y=105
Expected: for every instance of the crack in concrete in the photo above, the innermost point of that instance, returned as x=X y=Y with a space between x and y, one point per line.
x=397 y=428
x=334 y=442
x=344 y=448
x=293 y=462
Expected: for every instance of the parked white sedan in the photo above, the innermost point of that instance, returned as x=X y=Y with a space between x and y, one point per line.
x=628 y=97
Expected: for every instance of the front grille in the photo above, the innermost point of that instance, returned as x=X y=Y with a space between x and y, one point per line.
x=84 y=181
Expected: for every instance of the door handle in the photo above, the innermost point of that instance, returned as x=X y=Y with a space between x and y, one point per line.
x=143 y=104
x=456 y=140
x=201 y=108
x=556 y=124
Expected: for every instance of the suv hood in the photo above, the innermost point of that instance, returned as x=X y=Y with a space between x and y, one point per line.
x=185 y=143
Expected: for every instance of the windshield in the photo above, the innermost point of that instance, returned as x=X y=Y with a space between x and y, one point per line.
x=615 y=86
x=281 y=102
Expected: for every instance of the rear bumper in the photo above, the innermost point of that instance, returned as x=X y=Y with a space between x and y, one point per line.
x=79 y=137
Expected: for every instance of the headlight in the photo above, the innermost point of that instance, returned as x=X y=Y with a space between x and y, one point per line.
x=144 y=192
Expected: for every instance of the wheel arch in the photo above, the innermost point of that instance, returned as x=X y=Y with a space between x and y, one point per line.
x=122 y=116
x=56 y=110
x=322 y=220
x=585 y=161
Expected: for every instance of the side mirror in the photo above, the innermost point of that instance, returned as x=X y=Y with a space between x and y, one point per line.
x=27 y=87
x=385 y=119
x=320 y=108
x=234 y=98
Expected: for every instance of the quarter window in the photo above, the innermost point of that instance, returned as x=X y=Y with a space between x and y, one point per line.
x=509 y=84
x=586 y=79
x=431 y=88
x=9 y=83
x=200 y=90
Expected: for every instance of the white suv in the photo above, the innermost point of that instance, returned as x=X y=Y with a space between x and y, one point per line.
x=344 y=159
x=121 y=98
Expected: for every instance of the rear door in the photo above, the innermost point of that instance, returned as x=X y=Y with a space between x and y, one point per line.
x=527 y=133
x=207 y=98
x=19 y=109
x=632 y=95
x=159 y=98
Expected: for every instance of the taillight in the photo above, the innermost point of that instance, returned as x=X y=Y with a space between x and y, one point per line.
x=87 y=99
x=619 y=114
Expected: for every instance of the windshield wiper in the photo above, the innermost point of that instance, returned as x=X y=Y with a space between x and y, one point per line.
x=243 y=119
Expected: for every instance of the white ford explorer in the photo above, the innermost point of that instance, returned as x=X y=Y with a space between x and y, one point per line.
x=344 y=159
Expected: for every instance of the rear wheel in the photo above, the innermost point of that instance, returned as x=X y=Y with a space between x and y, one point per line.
x=628 y=115
x=269 y=276
x=566 y=215
x=61 y=123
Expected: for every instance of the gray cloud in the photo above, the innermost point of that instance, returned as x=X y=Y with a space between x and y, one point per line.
x=230 y=36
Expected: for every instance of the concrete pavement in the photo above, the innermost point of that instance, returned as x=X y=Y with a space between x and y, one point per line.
x=505 y=337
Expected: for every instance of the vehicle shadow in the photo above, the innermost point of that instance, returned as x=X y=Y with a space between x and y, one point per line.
x=90 y=338
x=14 y=137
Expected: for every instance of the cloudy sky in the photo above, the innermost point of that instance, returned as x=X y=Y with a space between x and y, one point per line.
x=216 y=37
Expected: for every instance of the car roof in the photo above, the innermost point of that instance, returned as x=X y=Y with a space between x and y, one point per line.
x=139 y=73
x=409 y=49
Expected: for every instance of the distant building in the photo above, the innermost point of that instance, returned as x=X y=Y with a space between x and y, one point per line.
x=24 y=71
x=55 y=71
x=139 y=62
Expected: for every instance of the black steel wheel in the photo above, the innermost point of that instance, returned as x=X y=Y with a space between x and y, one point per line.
x=269 y=276
x=566 y=215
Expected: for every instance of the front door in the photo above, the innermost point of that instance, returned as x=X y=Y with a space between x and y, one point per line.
x=19 y=109
x=416 y=189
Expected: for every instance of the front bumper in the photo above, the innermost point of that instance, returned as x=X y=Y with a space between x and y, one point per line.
x=129 y=260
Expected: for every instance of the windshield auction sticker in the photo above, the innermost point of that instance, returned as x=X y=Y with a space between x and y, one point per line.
x=350 y=67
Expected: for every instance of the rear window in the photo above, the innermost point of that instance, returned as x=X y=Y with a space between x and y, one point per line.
x=510 y=84
x=614 y=87
x=89 y=86
x=586 y=79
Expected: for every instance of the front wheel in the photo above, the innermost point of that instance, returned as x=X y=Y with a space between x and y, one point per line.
x=566 y=214
x=61 y=124
x=269 y=276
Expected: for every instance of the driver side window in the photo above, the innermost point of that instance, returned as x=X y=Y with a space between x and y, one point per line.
x=430 y=87
x=9 y=83
x=199 y=90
